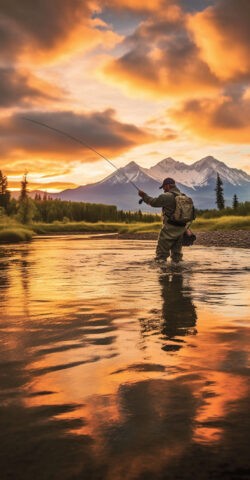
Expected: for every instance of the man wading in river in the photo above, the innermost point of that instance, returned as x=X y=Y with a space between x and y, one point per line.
x=178 y=213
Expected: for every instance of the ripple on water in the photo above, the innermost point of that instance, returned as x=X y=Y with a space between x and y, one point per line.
x=114 y=367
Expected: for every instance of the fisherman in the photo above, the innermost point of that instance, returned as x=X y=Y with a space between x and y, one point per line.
x=170 y=237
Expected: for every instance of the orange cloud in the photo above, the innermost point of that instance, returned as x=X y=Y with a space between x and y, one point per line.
x=16 y=165
x=51 y=30
x=138 y=5
x=222 y=32
x=27 y=146
x=23 y=88
x=162 y=60
x=137 y=75
x=49 y=187
x=223 y=119
x=79 y=39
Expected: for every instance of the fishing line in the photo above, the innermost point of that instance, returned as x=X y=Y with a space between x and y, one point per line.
x=82 y=142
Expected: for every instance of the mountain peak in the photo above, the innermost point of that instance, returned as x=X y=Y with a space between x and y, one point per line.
x=210 y=167
x=131 y=166
x=199 y=173
x=132 y=172
x=170 y=162
x=208 y=161
x=209 y=158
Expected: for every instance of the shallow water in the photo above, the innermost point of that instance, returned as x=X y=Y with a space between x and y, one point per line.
x=114 y=368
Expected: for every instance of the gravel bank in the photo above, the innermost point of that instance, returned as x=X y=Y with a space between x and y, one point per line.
x=218 y=238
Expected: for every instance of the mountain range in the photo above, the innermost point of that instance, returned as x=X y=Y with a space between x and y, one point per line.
x=197 y=180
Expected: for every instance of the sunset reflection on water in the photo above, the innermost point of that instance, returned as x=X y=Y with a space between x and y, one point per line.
x=113 y=368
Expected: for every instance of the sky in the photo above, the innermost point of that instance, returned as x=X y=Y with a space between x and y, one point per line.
x=138 y=80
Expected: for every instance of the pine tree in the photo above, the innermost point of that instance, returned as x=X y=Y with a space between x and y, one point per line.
x=3 y=183
x=220 y=202
x=235 y=202
x=4 y=193
x=27 y=208
x=24 y=188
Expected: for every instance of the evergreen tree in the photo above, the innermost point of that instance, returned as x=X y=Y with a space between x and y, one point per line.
x=4 y=193
x=24 y=188
x=37 y=197
x=235 y=202
x=3 y=183
x=220 y=202
x=27 y=208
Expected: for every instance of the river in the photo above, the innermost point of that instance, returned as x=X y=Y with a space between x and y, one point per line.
x=115 y=368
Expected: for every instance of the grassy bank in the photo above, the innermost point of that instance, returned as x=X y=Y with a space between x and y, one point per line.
x=200 y=224
x=11 y=231
x=222 y=223
x=99 y=227
x=15 y=235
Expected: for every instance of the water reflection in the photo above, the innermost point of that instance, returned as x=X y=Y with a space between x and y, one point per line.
x=177 y=317
x=4 y=276
x=87 y=391
x=152 y=431
x=178 y=311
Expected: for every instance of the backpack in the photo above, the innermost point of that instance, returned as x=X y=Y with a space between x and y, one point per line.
x=184 y=210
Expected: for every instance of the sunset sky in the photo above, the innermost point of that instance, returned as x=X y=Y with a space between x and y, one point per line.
x=137 y=79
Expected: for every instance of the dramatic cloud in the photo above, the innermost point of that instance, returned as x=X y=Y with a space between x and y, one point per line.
x=137 y=5
x=49 y=29
x=140 y=59
x=199 y=55
x=50 y=186
x=225 y=119
x=22 y=140
x=162 y=59
x=17 y=88
x=222 y=32
x=155 y=6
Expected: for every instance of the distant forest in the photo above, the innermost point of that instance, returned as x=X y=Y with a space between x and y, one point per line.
x=45 y=209
x=50 y=210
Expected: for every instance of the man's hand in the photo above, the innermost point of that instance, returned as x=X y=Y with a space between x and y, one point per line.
x=141 y=193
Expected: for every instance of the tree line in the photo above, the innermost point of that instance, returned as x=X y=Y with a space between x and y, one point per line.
x=46 y=209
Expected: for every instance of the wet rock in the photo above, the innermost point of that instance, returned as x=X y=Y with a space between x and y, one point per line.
x=218 y=238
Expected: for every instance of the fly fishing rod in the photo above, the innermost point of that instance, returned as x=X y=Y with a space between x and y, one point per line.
x=82 y=142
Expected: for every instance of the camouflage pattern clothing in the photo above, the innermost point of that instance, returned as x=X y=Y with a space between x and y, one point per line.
x=170 y=236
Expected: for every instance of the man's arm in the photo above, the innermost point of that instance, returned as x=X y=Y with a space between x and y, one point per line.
x=153 y=201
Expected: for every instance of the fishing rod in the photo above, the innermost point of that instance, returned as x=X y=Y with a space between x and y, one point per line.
x=82 y=142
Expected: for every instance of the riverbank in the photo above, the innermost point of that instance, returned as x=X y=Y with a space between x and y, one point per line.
x=219 y=238
x=225 y=231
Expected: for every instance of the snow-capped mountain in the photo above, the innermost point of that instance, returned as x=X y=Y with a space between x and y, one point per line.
x=180 y=171
x=130 y=173
x=116 y=189
x=199 y=173
x=197 y=180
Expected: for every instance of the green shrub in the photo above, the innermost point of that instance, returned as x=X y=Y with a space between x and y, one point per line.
x=11 y=235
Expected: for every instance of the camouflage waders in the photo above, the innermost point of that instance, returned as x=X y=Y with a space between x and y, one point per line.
x=167 y=245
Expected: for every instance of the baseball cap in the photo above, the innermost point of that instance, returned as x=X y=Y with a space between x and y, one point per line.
x=167 y=181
